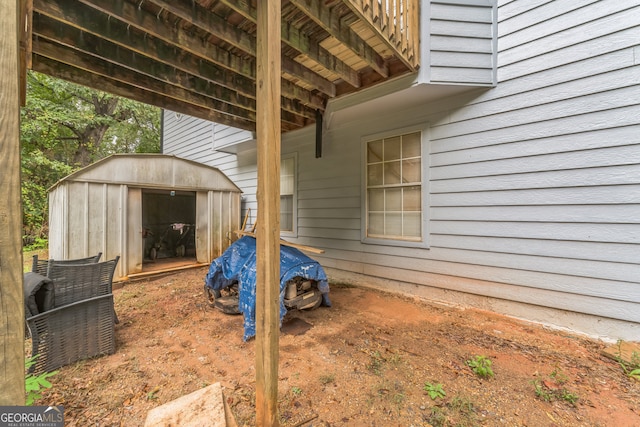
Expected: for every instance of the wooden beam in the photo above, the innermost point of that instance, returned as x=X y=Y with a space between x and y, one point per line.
x=12 y=391
x=210 y=22
x=187 y=89
x=209 y=62
x=299 y=41
x=197 y=15
x=149 y=23
x=52 y=41
x=149 y=93
x=268 y=231
x=187 y=96
x=56 y=38
x=282 y=242
x=405 y=51
x=330 y=22
x=96 y=25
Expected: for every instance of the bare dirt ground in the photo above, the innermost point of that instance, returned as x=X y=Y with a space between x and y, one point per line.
x=370 y=360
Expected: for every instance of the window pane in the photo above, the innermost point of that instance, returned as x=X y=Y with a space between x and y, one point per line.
x=411 y=200
x=393 y=224
x=286 y=213
x=411 y=145
x=376 y=224
x=393 y=200
x=392 y=148
x=286 y=185
x=411 y=171
x=391 y=173
x=374 y=151
x=412 y=225
x=287 y=169
x=376 y=200
x=374 y=175
x=286 y=166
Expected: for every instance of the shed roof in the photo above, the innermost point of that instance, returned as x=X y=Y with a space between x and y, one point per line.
x=153 y=171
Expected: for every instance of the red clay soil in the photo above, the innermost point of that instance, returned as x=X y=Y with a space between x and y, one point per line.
x=370 y=360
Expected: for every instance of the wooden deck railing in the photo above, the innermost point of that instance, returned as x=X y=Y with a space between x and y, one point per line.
x=397 y=22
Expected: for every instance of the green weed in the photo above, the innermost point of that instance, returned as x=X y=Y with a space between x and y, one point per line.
x=481 y=365
x=435 y=391
x=376 y=363
x=35 y=384
x=459 y=412
x=631 y=368
x=557 y=391
x=327 y=379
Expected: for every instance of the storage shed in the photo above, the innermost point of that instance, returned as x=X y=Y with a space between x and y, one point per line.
x=154 y=211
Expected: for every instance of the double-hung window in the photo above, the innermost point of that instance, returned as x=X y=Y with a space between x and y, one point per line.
x=394 y=190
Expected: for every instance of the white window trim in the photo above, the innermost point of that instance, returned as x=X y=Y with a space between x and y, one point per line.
x=424 y=162
x=294 y=221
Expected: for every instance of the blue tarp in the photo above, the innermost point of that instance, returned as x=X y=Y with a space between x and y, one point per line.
x=238 y=263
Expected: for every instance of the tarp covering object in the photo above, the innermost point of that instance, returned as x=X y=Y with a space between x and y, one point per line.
x=238 y=263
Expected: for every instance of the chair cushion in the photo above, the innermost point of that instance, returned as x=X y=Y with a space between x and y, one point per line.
x=38 y=294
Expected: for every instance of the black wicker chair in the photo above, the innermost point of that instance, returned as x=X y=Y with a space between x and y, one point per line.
x=41 y=266
x=73 y=282
x=72 y=332
x=81 y=324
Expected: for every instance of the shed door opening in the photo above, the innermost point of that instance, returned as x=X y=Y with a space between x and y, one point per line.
x=169 y=224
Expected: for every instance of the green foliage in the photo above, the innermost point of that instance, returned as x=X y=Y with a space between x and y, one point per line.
x=554 y=388
x=631 y=368
x=376 y=363
x=327 y=379
x=296 y=391
x=635 y=374
x=34 y=384
x=481 y=365
x=542 y=392
x=463 y=405
x=37 y=244
x=435 y=391
x=460 y=411
x=66 y=126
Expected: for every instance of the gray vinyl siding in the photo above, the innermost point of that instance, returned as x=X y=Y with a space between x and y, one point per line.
x=193 y=139
x=461 y=41
x=534 y=185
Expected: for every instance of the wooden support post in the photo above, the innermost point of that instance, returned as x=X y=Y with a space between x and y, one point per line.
x=268 y=90
x=11 y=297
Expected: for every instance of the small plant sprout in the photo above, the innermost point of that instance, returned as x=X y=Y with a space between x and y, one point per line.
x=296 y=391
x=481 y=366
x=554 y=389
x=630 y=368
x=435 y=391
x=34 y=384
x=635 y=374
x=327 y=379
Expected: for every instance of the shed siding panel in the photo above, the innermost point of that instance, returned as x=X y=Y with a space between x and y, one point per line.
x=134 y=241
x=57 y=221
x=77 y=220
